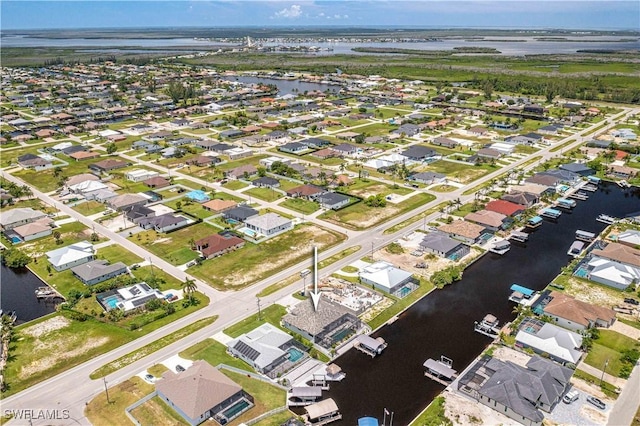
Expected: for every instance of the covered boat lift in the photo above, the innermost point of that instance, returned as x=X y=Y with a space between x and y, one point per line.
x=305 y=395
x=369 y=345
x=323 y=412
x=440 y=371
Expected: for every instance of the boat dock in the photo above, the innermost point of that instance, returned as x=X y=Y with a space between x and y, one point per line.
x=609 y=220
x=534 y=222
x=591 y=187
x=521 y=237
x=566 y=203
x=369 y=345
x=623 y=184
x=521 y=295
x=47 y=292
x=488 y=326
x=550 y=213
x=585 y=236
x=440 y=371
x=579 y=195
x=576 y=248
x=303 y=396
x=500 y=247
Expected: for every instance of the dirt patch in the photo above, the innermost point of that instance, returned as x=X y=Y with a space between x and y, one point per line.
x=45 y=327
x=161 y=240
x=370 y=190
x=57 y=351
x=593 y=414
x=464 y=411
x=507 y=354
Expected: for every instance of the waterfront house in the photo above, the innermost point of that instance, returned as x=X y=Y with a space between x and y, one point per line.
x=164 y=223
x=13 y=218
x=97 y=271
x=202 y=392
x=128 y=298
x=490 y=220
x=218 y=244
x=630 y=237
x=565 y=176
x=543 y=180
x=72 y=255
x=444 y=246
x=268 y=224
x=31 y=231
x=516 y=391
x=327 y=325
x=265 y=348
x=560 y=345
x=612 y=273
x=573 y=314
x=333 y=200
x=385 y=276
x=504 y=207
x=578 y=168
x=464 y=231
x=524 y=199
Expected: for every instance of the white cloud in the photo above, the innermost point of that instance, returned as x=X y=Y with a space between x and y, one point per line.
x=294 y=11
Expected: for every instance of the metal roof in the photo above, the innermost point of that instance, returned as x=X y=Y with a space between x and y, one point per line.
x=440 y=368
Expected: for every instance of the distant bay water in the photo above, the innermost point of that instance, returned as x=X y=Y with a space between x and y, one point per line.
x=516 y=46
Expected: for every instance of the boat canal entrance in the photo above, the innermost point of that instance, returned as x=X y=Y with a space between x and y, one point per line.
x=442 y=323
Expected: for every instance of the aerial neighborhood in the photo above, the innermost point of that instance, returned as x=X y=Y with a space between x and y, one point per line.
x=142 y=210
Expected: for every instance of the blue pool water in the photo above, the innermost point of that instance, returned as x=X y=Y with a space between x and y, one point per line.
x=15 y=240
x=232 y=222
x=235 y=409
x=249 y=232
x=341 y=335
x=111 y=301
x=404 y=291
x=581 y=273
x=295 y=354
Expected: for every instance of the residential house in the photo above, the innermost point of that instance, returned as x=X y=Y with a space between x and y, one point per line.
x=565 y=176
x=266 y=182
x=428 y=178
x=107 y=165
x=446 y=142
x=504 y=207
x=477 y=131
x=516 y=391
x=242 y=172
x=524 y=199
x=231 y=133
x=622 y=172
x=571 y=313
x=490 y=220
x=293 y=148
x=546 y=339
x=122 y=202
x=218 y=244
x=325 y=153
x=204 y=160
x=616 y=265
x=310 y=192
x=84 y=155
x=489 y=153
x=137 y=212
x=347 y=150
x=35 y=162
x=407 y=129
x=239 y=214
x=219 y=206
x=543 y=180
x=464 y=231
x=265 y=348
x=13 y=218
x=238 y=153
x=82 y=177
x=164 y=223
x=533 y=109
x=315 y=143
x=418 y=153
x=140 y=175
x=385 y=276
x=268 y=224
x=630 y=237
x=333 y=200
x=197 y=195
x=97 y=271
x=72 y=255
x=578 y=168
x=157 y=182
x=324 y=326
x=444 y=246
x=202 y=392
x=31 y=231
x=128 y=298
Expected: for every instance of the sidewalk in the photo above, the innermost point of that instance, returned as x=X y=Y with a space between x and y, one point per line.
x=616 y=381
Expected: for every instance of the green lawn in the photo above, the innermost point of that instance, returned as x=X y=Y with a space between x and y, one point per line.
x=360 y=216
x=300 y=205
x=272 y=314
x=266 y=396
x=401 y=304
x=103 y=412
x=607 y=349
x=191 y=207
x=266 y=194
x=286 y=184
x=214 y=353
x=174 y=247
x=433 y=415
x=116 y=253
x=89 y=208
x=254 y=262
x=463 y=173
x=156 y=412
x=234 y=185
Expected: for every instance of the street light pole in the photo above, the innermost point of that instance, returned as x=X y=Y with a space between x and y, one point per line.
x=106 y=389
x=259 y=313
x=603 y=370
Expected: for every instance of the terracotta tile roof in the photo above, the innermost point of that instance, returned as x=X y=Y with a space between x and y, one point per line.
x=567 y=307
x=463 y=228
x=620 y=253
x=217 y=243
x=505 y=207
x=219 y=205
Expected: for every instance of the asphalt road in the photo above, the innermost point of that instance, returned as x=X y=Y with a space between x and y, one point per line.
x=71 y=389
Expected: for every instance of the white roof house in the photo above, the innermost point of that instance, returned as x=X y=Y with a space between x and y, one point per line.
x=385 y=276
x=561 y=345
x=269 y=224
x=137 y=295
x=630 y=237
x=9 y=219
x=611 y=273
x=138 y=175
x=61 y=146
x=87 y=186
x=72 y=255
x=263 y=348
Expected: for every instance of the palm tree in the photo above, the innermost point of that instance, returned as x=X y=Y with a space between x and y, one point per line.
x=189 y=286
x=26 y=191
x=6 y=333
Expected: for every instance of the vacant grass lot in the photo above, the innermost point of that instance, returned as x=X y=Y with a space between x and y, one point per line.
x=214 y=353
x=255 y=262
x=272 y=314
x=174 y=247
x=608 y=348
x=115 y=253
x=360 y=216
x=266 y=194
x=191 y=207
x=462 y=173
x=300 y=205
x=234 y=185
x=89 y=208
x=103 y=413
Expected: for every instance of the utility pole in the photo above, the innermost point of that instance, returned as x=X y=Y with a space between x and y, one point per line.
x=603 y=370
x=259 y=313
x=106 y=389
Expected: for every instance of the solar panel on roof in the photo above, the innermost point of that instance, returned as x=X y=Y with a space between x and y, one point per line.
x=145 y=286
x=246 y=350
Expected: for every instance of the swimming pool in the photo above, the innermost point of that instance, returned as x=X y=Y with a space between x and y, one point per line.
x=236 y=409
x=581 y=273
x=341 y=335
x=111 y=302
x=295 y=354
x=15 y=240
x=404 y=291
x=248 y=232
x=232 y=222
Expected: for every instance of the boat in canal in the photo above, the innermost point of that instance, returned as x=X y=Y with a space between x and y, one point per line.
x=369 y=345
x=440 y=371
x=500 y=247
x=566 y=203
x=550 y=213
x=580 y=195
x=518 y=236
x=585 y=236
x=609 y=220
x=576 y=248
x=534 y=222
x=489 y=326
x=591 y=187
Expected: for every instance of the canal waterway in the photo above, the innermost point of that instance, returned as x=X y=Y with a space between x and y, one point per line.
x=287 y=86
x=442 y=322
x=17 y=293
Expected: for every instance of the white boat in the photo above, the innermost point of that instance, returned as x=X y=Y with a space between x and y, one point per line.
x=488 y=326
x=606 y=219
x=585 y=236
x=623 y=184
x=500 y=247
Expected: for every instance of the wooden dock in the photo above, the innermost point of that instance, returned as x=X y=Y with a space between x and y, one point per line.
x=48 y=293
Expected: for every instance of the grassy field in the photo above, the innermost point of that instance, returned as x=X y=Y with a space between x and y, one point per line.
x=174 y=247
x=214 y=353
x=140 y=353
x=254 y=262
x=607 y=349
x=191 y=207
x=401 y=304
x=265 y=194
x=116 y=253
x=234 y=185
x=272 y=314
x=89 y=208
x=360 y=216
x=300 y=205
x=278 y=286
x=433 y=415
x=103 y=412
x=157 y=412
x=462 y=173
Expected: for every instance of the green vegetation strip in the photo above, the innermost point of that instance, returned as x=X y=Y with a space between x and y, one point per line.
x=607 y=388
x=278 y=286
x=433 y=415
x=413 y=219
x=132 y=357
x=272 y=315
x=401 y=304
x=338 y=256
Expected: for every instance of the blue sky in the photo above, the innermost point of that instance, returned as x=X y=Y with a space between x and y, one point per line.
x=573 y=14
